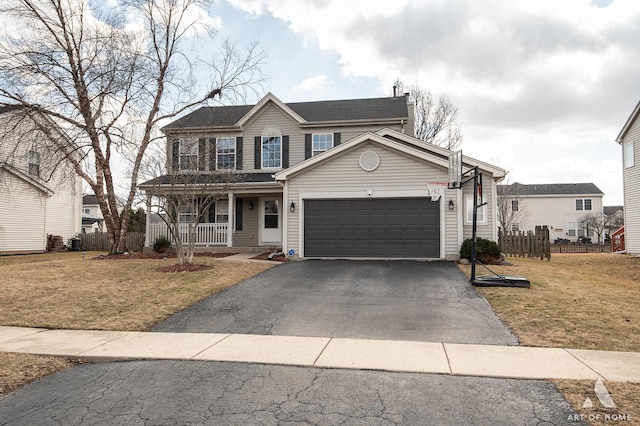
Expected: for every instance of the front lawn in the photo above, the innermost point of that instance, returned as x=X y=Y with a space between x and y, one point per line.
x=64 y=291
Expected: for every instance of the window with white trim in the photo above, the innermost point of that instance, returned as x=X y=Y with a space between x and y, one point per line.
x=482 y=211
x=583 y=204
x=320 y=142
x=628 y=154
x=34 y=163
x=188 y=214
x=271 y=152
x=222 y=211
x=86 y=211
x=515 y=227
x=188 y=153
x=515 y=205
x=225 y=153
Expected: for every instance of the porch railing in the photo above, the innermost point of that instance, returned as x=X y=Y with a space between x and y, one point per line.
x=206 y=234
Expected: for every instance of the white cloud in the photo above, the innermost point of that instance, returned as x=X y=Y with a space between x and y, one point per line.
x=312 y=83
x=541 y=85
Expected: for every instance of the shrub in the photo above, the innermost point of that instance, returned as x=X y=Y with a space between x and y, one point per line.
x=487 y=251
x=161 y=244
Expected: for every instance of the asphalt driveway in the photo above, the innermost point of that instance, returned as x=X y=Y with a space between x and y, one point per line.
x=394 y=300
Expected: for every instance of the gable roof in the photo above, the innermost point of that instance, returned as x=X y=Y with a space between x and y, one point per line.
x=302 y=112
x=609 y=210
x=552 y=189
x=27 y=178
x=628 y=123
x=89 y=199
x=394 y=140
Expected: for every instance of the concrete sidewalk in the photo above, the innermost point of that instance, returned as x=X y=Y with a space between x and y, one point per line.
x=386 y=355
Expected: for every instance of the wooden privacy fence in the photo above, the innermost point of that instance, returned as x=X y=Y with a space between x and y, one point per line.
x=100 y=241
x=580 y=248
x=529 y=244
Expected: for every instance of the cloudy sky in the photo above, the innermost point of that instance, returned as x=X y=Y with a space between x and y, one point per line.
x=543 y=87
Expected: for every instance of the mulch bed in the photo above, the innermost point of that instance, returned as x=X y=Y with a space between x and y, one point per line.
x=265 y=256
x=184 y=268
x=157 y=255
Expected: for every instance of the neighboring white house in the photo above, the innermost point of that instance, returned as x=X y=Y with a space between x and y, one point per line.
x=41 y=195
x=92 y=219
x=629 y=139
x=329 y=179
x=559 y=206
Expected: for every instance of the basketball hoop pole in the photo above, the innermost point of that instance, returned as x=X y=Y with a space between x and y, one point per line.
x=477 y=183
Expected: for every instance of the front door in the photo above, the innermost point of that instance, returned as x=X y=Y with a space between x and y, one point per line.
x=271 y=220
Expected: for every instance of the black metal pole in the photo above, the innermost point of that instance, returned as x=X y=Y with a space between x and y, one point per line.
x=475 y=224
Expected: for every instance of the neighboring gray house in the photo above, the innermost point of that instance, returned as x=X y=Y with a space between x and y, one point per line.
x=629 y=140
x=92 y=219
x=558 y=206
x=329 y=179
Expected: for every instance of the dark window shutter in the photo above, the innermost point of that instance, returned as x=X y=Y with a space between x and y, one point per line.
x=239 y=153
x=257 y=151
x=238 y=214
x=307 y=146
x=202 y=154
x=175 y=155
x=285 y=152
x=212 y=154
x=336 y=139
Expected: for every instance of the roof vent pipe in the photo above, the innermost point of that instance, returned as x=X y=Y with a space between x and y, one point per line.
x=394 y=90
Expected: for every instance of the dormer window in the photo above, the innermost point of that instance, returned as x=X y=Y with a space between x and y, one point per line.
x=34 y=163
x=188 y=154
x=271 y=148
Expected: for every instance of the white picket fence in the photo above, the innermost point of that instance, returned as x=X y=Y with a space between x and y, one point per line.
x=206 y=234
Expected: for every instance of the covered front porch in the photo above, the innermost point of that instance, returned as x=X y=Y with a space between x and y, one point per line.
x=241 y=220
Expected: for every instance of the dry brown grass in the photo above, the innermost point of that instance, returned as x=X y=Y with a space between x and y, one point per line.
x=625 y=395
x=64 y=291
x=587 y=301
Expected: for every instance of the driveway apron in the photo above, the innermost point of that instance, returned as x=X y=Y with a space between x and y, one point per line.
x=395 y=300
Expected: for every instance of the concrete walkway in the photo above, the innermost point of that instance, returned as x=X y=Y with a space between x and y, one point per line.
x=386 y=355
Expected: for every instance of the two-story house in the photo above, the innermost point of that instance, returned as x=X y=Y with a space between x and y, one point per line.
x=41 y=194
x=92 y=219
x=629 y=140
x=327 y=179
x=559 y=206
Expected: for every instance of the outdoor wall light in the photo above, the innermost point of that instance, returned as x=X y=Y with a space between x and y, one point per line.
x=451 y=205
x=292 y=207
x=250 y=205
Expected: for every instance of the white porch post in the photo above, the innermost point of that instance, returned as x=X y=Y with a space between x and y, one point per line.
x=147 y=233
x=232 y=213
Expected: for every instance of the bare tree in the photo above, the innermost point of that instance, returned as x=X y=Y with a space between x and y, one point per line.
x=436 y=120
x=185 y=200
x=510 y=209
x=614 y=221
x=596 y=222
x=108 y=81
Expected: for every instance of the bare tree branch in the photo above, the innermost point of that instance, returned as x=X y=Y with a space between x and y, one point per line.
x=107 y=85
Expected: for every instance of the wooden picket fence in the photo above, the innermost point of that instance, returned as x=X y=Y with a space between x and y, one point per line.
x=100 y=241
x=526 y=244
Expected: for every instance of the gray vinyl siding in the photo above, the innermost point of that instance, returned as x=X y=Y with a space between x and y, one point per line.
x=485 y=230
x=342 y=174
x=248 y=236
x=272 y=116
x=632 y=192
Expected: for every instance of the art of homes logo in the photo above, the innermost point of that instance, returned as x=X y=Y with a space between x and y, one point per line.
x=606 y=401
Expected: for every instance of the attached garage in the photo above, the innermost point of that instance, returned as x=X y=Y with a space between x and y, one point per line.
x=372 y=227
